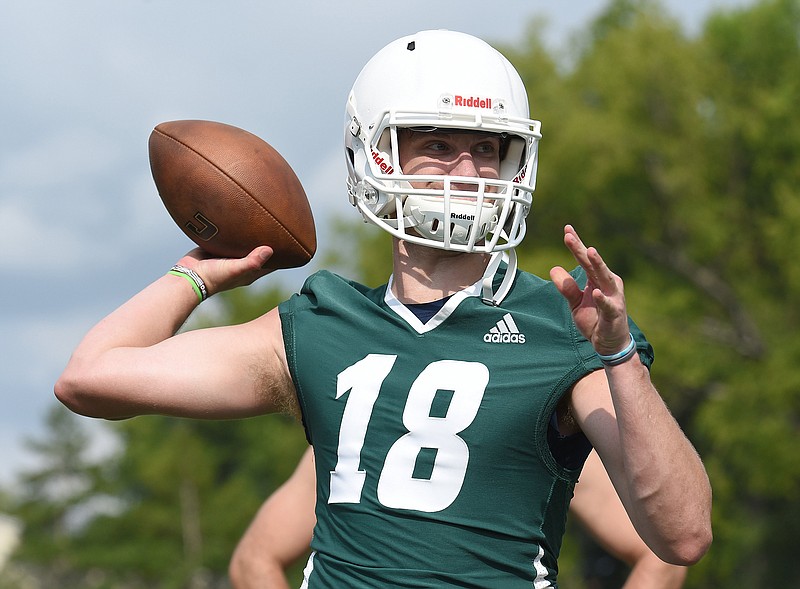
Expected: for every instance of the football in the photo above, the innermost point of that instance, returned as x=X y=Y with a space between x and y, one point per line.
x=230 y=191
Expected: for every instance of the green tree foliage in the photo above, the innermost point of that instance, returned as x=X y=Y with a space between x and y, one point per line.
x=364 y=255
x=750 y=424
x=189 y=490
x=55 y=500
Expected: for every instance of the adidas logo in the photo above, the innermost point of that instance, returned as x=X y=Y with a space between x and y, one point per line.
x=505 y=332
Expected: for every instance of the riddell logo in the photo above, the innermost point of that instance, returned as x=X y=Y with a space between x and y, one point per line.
x=462 y=217
x=472 y=101
x=380 y=160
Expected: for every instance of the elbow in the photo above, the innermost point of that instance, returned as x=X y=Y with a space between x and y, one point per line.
x=236 y=574
x=68 y=391
x=682 y=539
x=696 y=547
x=698 y=535
x=689 y=535
x=243 y=573
x=691 y=547
x=73 y=390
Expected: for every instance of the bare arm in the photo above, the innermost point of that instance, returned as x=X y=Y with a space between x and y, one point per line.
x=132 y=363
x=597 y=507
x=279 y=534
x=655 y=469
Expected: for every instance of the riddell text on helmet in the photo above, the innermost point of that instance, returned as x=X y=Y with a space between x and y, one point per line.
x=379 y=158
x=472 y=101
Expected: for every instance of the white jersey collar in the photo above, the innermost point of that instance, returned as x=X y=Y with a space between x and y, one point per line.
x=409 y=317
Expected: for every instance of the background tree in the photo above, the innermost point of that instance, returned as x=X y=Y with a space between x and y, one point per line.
x=55 y=500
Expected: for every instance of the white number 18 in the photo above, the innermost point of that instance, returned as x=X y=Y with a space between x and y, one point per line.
x=397 y=486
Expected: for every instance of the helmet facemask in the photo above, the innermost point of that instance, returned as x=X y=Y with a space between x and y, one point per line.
x=467 y=213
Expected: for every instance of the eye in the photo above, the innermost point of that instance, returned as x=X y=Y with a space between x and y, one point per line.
x=438 y=146
x=486 y=148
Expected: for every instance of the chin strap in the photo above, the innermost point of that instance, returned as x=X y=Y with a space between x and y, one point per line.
x=495 y=298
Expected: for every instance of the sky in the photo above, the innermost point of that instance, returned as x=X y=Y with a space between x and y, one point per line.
x=83 y=83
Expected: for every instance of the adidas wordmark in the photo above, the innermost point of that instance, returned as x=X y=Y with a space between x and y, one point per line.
x=505 y=332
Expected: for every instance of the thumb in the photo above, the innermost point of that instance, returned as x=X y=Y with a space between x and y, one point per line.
x=567 y=286
x=257 y=259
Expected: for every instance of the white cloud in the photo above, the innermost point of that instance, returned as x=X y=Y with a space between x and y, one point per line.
x=61 y=157
x=28 y=241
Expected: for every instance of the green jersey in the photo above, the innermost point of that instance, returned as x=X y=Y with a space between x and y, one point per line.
x=430 y=439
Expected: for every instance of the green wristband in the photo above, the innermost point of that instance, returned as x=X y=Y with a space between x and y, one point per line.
x=194 y=279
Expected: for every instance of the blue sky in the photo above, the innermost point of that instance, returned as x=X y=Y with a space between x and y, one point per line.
x=83 y=84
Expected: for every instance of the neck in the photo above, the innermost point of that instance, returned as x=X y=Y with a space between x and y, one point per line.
x=423 y=274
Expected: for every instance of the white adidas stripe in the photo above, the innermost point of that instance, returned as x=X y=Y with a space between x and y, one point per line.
x=505 y=325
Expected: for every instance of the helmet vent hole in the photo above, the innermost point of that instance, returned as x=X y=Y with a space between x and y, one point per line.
x=411 y=46
x=435 y=225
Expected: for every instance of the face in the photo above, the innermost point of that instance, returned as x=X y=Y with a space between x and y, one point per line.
x=449 y=154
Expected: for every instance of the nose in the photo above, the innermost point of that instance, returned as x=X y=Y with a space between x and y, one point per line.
x=464 y=165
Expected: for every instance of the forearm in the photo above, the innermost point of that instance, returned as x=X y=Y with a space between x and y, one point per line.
x=256 y=572
x=667 y=492
x=657 y=473
x=652 y=573
x=153 y=315
x=279 y=534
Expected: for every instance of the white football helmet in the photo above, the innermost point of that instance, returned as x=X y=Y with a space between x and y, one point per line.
x=441 y=80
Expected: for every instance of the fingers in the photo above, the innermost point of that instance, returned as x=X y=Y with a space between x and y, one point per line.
x=599 y=310
x=598 y=273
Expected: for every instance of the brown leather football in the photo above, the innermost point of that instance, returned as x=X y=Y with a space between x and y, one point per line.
x=230 y=191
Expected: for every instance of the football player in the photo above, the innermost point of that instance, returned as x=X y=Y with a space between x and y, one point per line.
x=446 y=453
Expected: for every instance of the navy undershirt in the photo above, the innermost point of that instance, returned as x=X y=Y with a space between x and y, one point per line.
x=569 y=451
x=424 y=311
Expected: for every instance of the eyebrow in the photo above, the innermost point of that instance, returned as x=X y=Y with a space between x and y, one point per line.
x=432 y=132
